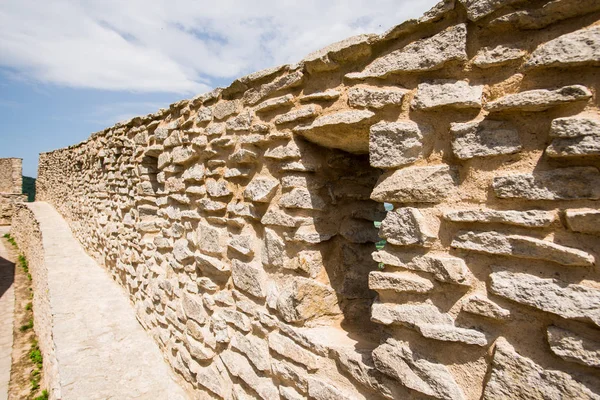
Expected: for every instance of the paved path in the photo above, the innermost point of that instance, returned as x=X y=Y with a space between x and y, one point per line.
x=7 y=309
x=102 y=350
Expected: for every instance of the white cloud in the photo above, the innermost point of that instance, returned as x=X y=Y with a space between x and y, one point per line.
x=181 y=46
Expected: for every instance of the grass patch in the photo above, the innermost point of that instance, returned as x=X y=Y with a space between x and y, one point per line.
x=27 y=326
x=29 y=306
x=44 y=395
x=11 y=240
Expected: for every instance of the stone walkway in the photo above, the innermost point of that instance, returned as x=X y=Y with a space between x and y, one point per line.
x=101 y=349
x=7 y=308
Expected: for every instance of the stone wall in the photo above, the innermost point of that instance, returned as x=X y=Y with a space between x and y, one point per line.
x=10 y=187
x=242 y=222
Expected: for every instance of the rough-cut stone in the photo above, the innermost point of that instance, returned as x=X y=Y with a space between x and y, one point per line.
x=393 y=144
x=261 y=189
x=406 y=226
x=320 y=390
x=211 y=265
x=302 y=298
x=204 y=115
x=397 y=360
x=430 y=184
x=309 y=261
x=291 y=373
x=568 y=301
x=557 y=184
x=572 y=49
x=346 y=130
x=212 y=378
x=224 y=109
x=277 y=217
x=539 y=99
x=286 y=152
x=548 y=14
x=516 y=377
x=298 y=114
x=288 y=81
x=253 y=347
x=209 y=239
x=238 y=366
x=423 y=55
x=327 y=95
x=399 y=282
x=193 y=308
x=427 y=320
x=374 y=97
x=576 y=146
x=249 y=278
x=447 y=93
x=574 y=348
x=498 y=56
x=529 y=219
x=575 y=127
x=330 y=57
x=521 y=246
x=444 y=268
x=583 y=220
x=483 y=306
x=217 y=188
x=483 y=139
x=273 y=250
x=288 y=348
x=277 y=102
x=302 y=198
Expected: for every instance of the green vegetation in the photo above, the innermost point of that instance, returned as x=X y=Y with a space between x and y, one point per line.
x=11 y=240
x=44 y=395
x=29 y=306
x=27 y=326
x=29 y=188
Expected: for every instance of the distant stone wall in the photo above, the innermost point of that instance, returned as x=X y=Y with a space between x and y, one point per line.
x=242 y=222
x=11 y=187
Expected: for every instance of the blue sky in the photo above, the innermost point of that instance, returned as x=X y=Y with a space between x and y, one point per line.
x=69 y=68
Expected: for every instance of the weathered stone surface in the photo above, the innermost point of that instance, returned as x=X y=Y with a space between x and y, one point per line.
x=430 y=184
x=290 y=373
x=397 y=360
x=577 y=48
x=273 y=250
x=261 y=189
x=309 y=261
x=575 y=137
x=302 y=298
x=327 y=95
x=557 y=184
x=399 y=282
x=320 y=390
x=243 y=156
x=393 y=144
x=483 y=139
x=517 y=377
x=574 y=348
x=346 y=130
x=529 y=219
x=330 y=57
x=498 y=56
x=209 y=239
x=539 y=99
x=480 y=305
x=568 y=301
x=288 y=81
x=183 y=155
x=198 y=350
x=447 y=93
x=521 y=246
x=477 y=9
x=277 y=217
x=253 y=347
x=289 y=151
x=212 y=378
x=575 y=127
x=374 y=97
x=583 y=220
x=302 y=198
x=406 y=226
x=548 y=14
x=224 y=109
x=238 y=366
x=444 y=268
x=217 y=188
x=211 y=265
x=298 y=114
x=249 y=278
x=277 y=102
x=427 y=320
x=288 y=348
x=193 y=308
x=423 y=55
x=241 y=122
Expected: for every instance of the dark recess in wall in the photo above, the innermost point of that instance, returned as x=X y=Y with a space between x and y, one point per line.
x=29 y=188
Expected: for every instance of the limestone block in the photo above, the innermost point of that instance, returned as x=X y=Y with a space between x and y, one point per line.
x=575 y=127
x=288 y=348
x=244 y=210
x=290 y=151
x=249 y=278
x=211 y=205
x=273 y=250
x=243 y=156
x=570 y=301
x=235 y=318
x=240 y=367
x=516 y=377
x=477 y=9
x=181 y=250
x=394 y=144
x=577 y=48
x=480 y=305
x=281 y=83
x=330 y=57
x=290 y=373
x=225 y=108
x=195 y=173
x=374 y=97
x=484 y=139
x=209 y=239
x=521 y=246
x=302 y=198
x=574 y=348
x=286 y=392
x=241 y=244
x=302 y=113
x=217 y=188
x=193 y=308
x=583 y=220
x=406 y=226
x=215 y=129
x=399 y=282
x=497 y=56
x=198 y=350
x=529 y=219
x=574 y=137
x=204 y=115
x=427 y=320
x=302 y=298
x=212 y=378
x=548 y=14
x=447 y=93
x=211 y=265
x=557 y=184
x=308 y=261
x=274 y=216
x=274 y=103
x=423 y=55
x=429 y=184
x=241 y=122
x=318 y=389
x=539 y=99
x=397 y=360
